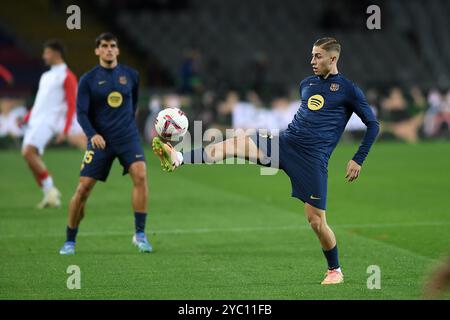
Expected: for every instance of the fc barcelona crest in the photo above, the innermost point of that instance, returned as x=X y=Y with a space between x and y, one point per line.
x=334 y=87
x=123 y=80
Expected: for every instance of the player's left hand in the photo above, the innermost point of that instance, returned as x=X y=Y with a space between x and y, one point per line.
x=353 y=170
x=60 y=138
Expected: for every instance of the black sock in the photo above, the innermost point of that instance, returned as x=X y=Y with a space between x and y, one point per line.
x=71 y=234
x=194 y=156
x=332 y=258
x=139 y=221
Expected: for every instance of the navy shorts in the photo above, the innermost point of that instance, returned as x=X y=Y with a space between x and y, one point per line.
x=97 y=163
x=309 y=177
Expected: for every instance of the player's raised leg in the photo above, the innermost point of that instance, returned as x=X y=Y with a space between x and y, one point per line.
x=76 y=213
x=240 y=146
x=52 y=196
x=318 y=222
x=138 y=173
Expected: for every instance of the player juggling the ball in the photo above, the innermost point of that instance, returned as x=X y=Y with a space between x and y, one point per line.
x=106 y=107
x=328 y=100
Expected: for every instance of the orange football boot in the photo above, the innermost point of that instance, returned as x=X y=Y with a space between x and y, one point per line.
x=333 y=277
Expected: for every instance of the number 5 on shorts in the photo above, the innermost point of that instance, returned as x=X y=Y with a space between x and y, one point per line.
x=87 y=158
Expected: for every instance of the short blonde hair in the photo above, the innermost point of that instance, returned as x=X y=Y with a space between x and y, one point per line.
x=328 y=44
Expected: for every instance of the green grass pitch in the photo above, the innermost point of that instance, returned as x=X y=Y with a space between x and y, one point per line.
x=225 y=232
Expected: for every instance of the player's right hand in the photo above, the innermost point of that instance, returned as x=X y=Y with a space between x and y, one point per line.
x=98 y=142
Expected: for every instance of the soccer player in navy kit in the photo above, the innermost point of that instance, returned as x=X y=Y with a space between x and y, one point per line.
x=106 y=107
x=328 y=101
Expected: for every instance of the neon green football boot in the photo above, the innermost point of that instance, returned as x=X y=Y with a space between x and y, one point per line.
x=166 y=153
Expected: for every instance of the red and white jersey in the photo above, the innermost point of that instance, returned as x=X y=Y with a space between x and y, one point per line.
x=55 y=99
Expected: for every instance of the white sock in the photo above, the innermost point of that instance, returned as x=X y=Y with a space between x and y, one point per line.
x=47 y=184
x=338 y=270
x=180 y=157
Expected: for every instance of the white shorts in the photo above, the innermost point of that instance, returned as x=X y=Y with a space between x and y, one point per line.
x=38 y=135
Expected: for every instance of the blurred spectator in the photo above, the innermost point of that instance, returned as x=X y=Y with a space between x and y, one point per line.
x=400 y=118
x=254 y=98
x=243 y=113
x=207 y=113
x=11 y=112
x=190 y=73
x=394 y=107
x=437 y=117
x=251 y=114
x=281 y=113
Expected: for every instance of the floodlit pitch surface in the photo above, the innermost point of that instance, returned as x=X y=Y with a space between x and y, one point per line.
x=225 y=232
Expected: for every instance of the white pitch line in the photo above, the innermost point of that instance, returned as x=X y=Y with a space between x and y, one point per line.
x=236 y=229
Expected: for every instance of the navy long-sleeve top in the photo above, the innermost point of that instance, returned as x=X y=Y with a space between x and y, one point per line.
x=326 y=107
x=107 y=102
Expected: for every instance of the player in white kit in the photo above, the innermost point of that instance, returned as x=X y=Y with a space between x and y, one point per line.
x=55 y=100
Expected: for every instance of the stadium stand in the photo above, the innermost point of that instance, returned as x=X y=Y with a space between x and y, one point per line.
x=21 y=70
x=18 y=16
x=200 y=51
x=230 y=34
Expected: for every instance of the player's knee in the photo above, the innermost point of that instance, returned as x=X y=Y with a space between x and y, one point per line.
x=315 y=225
x=316 y=222
x=140 y=178
x=28 y=152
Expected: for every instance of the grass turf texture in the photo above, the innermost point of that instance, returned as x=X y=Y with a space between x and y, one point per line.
x=225 y=232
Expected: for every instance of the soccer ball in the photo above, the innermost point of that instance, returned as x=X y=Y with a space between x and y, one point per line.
x=171 y=124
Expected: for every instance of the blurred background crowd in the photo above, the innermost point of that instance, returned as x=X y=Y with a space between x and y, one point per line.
x=239 y=63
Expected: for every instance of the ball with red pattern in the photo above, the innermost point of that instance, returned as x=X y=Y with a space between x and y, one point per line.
x=171 y=124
